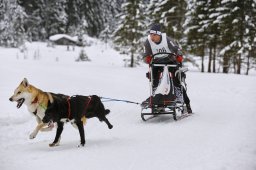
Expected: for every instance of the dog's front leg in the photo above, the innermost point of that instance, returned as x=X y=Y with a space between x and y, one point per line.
x=38 y=127
x=80 y=126
x=58 y=134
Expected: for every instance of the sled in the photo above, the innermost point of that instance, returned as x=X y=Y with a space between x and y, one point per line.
x=169 y=99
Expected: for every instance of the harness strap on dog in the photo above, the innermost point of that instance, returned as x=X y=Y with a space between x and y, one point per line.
x=35 y=100
x=69 y=109
x=35 y=112
x=90 y=98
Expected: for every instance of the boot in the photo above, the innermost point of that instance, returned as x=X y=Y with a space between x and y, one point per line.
x=189 y=110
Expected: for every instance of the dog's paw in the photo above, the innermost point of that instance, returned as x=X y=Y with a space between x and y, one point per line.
x=81 y=145
x=110 y=126
x=32 y=136
x=53 y=144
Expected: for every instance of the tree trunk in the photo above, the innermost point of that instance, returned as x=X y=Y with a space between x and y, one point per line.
x=132 y=59
x=225 y=63
x=202 y=54
x=239 y=61
x=214 y=59
x=248 y=63
x=210 y=60
x=202 y=65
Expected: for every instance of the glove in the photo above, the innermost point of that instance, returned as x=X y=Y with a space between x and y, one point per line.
x=148 y=59
x=179 y=58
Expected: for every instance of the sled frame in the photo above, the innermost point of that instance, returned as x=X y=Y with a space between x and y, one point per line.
x=171 y=108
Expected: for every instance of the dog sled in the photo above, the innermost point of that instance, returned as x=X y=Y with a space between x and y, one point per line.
x=167 y=97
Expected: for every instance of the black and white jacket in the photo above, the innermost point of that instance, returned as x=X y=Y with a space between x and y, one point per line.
x=166 y=44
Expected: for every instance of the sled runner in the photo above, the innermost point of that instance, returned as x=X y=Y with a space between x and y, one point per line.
x=167 y=97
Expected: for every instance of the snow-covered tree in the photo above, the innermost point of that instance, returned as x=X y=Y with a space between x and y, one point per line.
x=46 y=17
x=222 y=28
x=170 y=14
x=54 y=17
x=213 y=32
x=128 y=36
x=196 y=35
x=237 y=31
x=109 y=10
x=12 y=19
x=74 y=13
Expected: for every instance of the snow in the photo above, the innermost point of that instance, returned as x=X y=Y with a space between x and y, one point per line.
x=59 y=36
x=219 y=136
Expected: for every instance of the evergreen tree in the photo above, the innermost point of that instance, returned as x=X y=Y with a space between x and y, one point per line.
x=195 y=30
x=237 y=28
x=12 y=19
x=213 y=32
x=46 y=17
x=74 y=13
x=250 y=32
x=128 y=36
x=109 y=9
x=54 y=17
x=92 y=15
x=171 y=14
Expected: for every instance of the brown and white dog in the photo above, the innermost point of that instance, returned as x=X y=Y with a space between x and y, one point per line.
x=37 y=102
x=59 y=108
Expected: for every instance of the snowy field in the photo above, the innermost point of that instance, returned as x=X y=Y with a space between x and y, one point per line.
x=221 y=135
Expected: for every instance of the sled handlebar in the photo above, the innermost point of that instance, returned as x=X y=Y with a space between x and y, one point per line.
x=168 y=65
x=164 y=53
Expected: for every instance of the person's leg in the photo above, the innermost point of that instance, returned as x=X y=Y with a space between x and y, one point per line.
x=156 y=74
x=187 y=101
x=184 y=92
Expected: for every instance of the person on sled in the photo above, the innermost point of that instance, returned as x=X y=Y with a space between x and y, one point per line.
x=158 y=42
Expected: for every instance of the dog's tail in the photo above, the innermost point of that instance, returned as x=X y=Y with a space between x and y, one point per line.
x=107 y=111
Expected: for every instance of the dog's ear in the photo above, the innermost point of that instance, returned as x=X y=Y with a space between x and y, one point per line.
x=25 y=82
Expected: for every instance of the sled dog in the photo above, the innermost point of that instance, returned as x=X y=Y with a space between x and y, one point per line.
x=37 y=102
x=49 y=108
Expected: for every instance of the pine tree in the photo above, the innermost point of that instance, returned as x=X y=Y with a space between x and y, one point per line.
x=195 y=30
x=46 y=17
x=109 y=10
x=54 y=17
x=92 y=15
x=237 y=29
x=74 y=13
x=128 y=36
x=212 y=31
x=250 y=32
x=171 y=14
x=12 y=19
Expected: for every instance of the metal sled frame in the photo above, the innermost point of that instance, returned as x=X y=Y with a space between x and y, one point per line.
x=170 y=108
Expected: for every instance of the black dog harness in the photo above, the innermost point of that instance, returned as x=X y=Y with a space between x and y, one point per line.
x=69 y=107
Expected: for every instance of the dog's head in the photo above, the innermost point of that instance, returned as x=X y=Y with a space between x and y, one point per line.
x=21 y=93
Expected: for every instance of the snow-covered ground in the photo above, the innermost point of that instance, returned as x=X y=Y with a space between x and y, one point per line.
x=221 y=135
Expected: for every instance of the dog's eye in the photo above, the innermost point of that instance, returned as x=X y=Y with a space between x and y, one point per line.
x=19 y=92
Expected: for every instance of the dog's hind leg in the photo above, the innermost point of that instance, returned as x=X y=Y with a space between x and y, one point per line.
x=80 y=126
x=108 y=123
x=107 y=111
x=58 y=135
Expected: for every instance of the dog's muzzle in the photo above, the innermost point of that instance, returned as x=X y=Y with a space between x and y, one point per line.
x=19 y=102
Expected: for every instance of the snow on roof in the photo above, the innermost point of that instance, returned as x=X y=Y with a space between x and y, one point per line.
x=59 y=36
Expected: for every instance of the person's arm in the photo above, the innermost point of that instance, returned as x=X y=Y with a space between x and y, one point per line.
x=147 y=52
x=173 y=46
